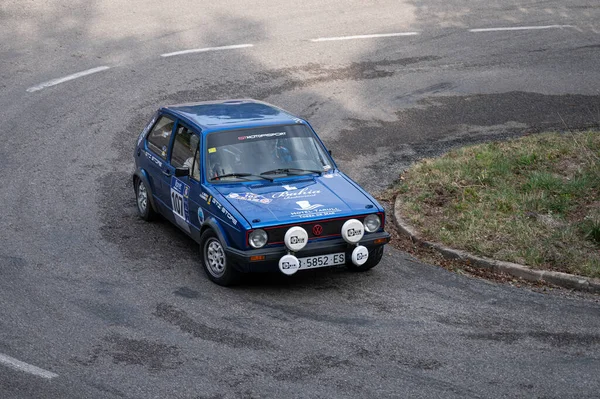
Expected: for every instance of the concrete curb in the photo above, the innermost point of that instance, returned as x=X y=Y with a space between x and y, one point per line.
x=558 y=278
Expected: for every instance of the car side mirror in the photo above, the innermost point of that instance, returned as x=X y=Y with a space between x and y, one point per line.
x=181 y=172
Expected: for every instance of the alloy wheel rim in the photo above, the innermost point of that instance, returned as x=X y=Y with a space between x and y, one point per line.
x=215 y=257
x=142 y=198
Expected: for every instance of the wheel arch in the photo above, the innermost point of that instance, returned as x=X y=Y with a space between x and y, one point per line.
x=212 y=224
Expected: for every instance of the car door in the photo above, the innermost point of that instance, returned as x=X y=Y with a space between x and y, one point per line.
x=184 y=154
x=156 y=150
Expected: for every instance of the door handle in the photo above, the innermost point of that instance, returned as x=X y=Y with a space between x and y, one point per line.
x=166 y=172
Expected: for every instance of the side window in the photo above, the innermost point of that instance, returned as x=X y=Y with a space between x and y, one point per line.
x=159 y=137
x=185 y=151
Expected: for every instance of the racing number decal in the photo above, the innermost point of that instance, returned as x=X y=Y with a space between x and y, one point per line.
x=180 y=193
x=177 y=202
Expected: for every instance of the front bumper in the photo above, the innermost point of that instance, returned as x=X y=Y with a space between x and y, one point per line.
x=242 y=259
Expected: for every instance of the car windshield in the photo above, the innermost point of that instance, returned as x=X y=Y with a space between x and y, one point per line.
x=266 y=152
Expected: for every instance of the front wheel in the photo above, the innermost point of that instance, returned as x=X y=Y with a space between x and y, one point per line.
x=375 y=256
x=214 y=260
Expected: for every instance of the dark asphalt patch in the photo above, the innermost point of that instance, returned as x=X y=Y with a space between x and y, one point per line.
x=456 y=120
x=155 y=356
x=296 y=312
x=204 y=331
x=186 y=292
x=11 y=264
x=557 y=340
x=111 y=314
x=308 y=367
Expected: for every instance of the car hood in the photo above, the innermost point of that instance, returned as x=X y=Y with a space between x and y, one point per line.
x=301 y=199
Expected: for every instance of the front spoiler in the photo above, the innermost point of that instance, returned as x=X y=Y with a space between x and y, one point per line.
x=241 y=259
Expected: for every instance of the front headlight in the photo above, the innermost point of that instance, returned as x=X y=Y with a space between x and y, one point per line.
x=372 y=223
x=258 y=238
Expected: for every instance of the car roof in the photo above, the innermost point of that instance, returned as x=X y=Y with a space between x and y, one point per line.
x=231 y=114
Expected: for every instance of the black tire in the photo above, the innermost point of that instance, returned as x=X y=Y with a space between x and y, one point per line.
x=142 y=201
x=375 y=256
x=214 y=260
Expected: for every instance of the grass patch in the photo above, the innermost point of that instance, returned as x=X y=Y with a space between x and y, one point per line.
x=533 y=200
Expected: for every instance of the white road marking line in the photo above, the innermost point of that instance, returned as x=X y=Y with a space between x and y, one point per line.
x=374 y=36
x=522 y=28
x=203 y=50
x=28 y=368
x=54 y=82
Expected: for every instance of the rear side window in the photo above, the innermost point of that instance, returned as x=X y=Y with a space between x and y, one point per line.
x=185 y=151
x=159 y=137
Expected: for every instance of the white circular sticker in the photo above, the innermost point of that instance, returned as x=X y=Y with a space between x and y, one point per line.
x=296 y=238
x=360 y=255
x=353 y=231
x=289 y=264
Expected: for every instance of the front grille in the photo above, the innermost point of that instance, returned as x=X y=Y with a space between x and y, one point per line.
x=331 y=228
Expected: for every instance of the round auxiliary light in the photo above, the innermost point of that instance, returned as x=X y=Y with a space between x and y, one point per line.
x=372 y=223
x=360 y=255
x=289 y=264
x=295 y=238
x=257 y=238
x=352 y=231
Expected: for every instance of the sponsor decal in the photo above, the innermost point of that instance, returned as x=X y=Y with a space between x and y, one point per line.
x=260 y=136
x=250 y=197
x=308 y=210
x=211 y=150
x=146 y=129
x=289 y=188
x=152 y=158
x=293 y=194
x=200 y=215
x=306 y=206
x=354 y=232
x=204 y=196
x=223 y=210
x=315 y=213
x=297 y=240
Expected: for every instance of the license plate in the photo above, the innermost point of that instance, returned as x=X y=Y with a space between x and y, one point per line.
x=312 y=262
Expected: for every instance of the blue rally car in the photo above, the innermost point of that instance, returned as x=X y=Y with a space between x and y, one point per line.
x=256 y=188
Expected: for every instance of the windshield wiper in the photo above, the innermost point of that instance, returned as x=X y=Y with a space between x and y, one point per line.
x=290 y=170
x=239 y=175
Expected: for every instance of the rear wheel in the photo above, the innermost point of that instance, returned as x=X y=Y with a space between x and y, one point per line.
x=142 y=196
x=214 y=260
x=375 y=256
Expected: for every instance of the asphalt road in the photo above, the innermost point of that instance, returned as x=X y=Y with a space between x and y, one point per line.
x=117 y=308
